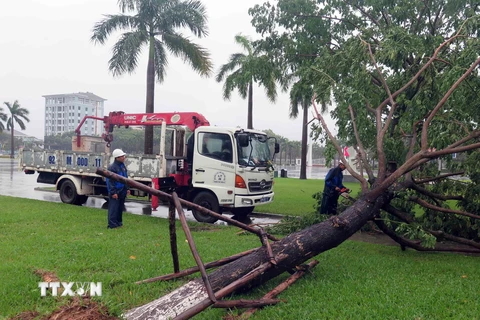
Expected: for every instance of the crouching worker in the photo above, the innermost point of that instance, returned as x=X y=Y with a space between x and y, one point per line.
x=332 y=190
x=117 y=191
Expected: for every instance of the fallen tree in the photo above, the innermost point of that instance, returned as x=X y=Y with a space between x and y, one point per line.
x=256 y=267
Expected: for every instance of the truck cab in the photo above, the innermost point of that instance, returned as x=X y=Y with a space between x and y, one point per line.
x=230 y=170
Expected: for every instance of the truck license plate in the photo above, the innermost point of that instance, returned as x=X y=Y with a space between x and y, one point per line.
x=264 y=199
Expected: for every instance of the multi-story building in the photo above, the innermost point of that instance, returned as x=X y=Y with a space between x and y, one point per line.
x=64 y=112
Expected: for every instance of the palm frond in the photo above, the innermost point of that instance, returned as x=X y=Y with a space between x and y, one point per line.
x=236 y=80
x=3 y=116
x=300 y=94
x=191 y=15
x=127 y=5
x=161 y=60
x=197 y=56
x=270 y=88
x=245 y=43
x=110 y=24
x=20 y=122
x=126 y=52
x=236 y=60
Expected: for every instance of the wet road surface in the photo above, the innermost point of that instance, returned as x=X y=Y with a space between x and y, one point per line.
x=15 y=183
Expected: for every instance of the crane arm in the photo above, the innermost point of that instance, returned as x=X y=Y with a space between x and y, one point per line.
x=192 y=120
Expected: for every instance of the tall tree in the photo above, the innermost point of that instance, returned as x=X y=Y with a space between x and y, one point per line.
x=17 y=115
x=242 y=71
x=155 y=24
x=301 y=94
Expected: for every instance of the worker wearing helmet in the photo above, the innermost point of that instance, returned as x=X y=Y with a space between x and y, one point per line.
x=117 y=191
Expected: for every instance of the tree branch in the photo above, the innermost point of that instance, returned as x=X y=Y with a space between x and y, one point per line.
x=367 y=15
x=362 y=151
x=403 y=216
x=319 y=117
x=438 y=234
x=422 y=69
x=381 y=131
x=415 y=245
x=442 y=176
x=434 y=196
x=453 y=148
x=441 y=234
x=424 y=139
x=427 y=205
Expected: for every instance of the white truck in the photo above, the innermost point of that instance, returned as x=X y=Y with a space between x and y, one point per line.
x=222 y=169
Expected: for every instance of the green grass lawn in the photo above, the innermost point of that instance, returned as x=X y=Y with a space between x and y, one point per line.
x=353 y=281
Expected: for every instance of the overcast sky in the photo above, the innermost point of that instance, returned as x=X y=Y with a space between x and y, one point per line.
x=45 y=49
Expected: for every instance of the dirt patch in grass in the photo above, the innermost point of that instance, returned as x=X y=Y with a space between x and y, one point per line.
x=79 y=308
x=27 y=315
x=47 y=276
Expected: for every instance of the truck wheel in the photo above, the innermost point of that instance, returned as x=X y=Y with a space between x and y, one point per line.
x=242 y=211
x=209 y=201
x=68 y=192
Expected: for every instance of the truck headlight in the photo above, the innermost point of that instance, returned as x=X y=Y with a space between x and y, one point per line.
x=247 y=202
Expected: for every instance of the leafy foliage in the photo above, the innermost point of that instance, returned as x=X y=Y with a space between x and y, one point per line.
x=398 y=72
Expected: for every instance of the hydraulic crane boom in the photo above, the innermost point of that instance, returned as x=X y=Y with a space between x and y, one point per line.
x=192 y=120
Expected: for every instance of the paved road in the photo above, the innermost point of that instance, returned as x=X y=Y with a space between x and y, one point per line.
x=15 y=183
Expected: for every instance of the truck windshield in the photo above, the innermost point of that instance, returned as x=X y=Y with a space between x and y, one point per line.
x=256 y=154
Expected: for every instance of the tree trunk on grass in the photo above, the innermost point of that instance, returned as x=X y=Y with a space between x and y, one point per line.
x=291 y=251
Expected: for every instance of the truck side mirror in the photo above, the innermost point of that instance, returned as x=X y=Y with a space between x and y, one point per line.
x=277 y=147
x=242 y=139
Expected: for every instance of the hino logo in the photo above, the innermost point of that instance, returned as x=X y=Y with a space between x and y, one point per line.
x=263 y=184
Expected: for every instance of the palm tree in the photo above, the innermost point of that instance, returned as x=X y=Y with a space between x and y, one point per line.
x=244 y=71
x=301 y=94
x=154 y=23
x=17 y=113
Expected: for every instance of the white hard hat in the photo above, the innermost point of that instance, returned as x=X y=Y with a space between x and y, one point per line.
x=118 y=153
